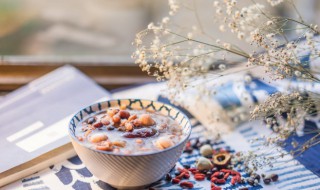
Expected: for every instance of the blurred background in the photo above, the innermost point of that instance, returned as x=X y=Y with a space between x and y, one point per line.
x=37 y=36
x=91 y=27
x=74 y=27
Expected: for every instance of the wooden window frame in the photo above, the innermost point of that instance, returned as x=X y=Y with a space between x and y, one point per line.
x=110 y=72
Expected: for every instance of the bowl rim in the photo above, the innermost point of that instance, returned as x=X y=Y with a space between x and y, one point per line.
x=186 y=137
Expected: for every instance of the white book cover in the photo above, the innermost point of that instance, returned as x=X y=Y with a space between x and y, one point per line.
x=34 y=119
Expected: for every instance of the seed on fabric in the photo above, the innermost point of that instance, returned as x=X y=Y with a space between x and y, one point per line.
x=274 y=177
x=203 y=164
x=208 y=175
x=226 y=176
x=267 y=181
x=204 y=171
x=188 y=150
x=221 y=175
x=206 y=150
x=186 y=184
x=199 y=177
x=256 y=176
x=215 y=169
x=168 y=177
x=186 y=166
x=186 y=175
x=220 y=181
x=250 y=180
x=175 y=181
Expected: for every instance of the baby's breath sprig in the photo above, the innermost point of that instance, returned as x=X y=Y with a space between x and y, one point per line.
x=188 y=56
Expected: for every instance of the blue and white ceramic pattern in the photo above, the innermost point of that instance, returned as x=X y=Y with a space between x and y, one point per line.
x=130 y=171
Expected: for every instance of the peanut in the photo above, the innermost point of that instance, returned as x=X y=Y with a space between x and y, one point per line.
x=98 y=138
x=139 y=141
x=132 y=117
x=123 y=107
x=137 y=123
x=129 y=126
x=119 y=143
x=146 y=120
x=116 y=119
x=164 y=142
x=97 y=125
x=105 y=146
x=112 y=112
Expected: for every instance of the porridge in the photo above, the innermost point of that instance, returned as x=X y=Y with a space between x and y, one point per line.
x=126 y=131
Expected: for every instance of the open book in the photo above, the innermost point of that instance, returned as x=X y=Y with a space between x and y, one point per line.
x=34 y=121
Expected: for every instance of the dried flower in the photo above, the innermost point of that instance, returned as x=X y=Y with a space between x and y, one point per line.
x=188 y=57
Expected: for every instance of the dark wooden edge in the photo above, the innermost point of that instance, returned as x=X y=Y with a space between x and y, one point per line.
x=109 y=72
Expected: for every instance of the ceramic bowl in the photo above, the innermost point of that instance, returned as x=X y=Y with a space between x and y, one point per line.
x=129 y=171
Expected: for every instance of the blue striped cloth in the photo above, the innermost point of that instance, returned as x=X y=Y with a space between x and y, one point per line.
x=300 y=173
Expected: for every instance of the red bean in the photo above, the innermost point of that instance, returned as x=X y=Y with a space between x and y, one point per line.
x=235 y=173
x=216 y=174
x=220 y=181
x=186 y=184
x=215 y=188
x=140 y=133
x=199 y=177
x=97 y=125
x=213 y=179
x=124 y=114
x=186 y=176
x=181 y=175
x=182 y=170
x=225 y=170
x=175 y=180
x=235 y=179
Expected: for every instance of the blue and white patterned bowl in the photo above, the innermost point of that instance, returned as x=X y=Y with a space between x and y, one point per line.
x=129 y=171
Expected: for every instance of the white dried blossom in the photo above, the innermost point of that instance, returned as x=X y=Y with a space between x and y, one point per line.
x=165 y=20
x=186 y=56
x=222 y=67
x=275 y=2
x=222 y=28
x=216 y=3
x=240 y=35
x=269 y=23
x=174 y=6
